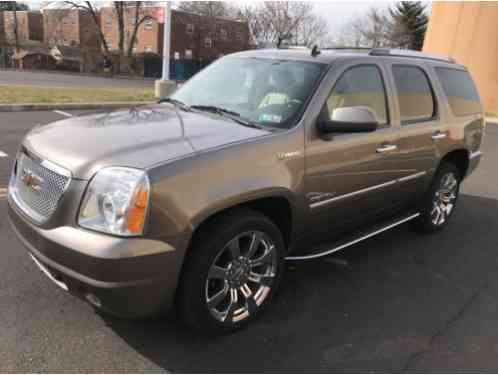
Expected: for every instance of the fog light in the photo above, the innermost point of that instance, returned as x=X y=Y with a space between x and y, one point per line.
x=93 y=299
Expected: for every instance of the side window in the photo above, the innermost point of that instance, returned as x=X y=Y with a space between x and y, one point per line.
x=460 y=91
x=415 y=96
x=360 y=86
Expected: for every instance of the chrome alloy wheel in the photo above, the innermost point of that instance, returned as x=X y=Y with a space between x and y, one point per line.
x=444 y=199
x=241 y=277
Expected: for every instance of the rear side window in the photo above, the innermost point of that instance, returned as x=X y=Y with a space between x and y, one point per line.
x=416 y=99
x=460 y=91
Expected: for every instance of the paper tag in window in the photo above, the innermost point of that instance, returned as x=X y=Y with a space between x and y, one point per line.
x=268 y=117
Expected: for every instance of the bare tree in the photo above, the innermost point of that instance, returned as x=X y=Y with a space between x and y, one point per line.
x=279 y=21
x=372 y=30
x=139 y=17
x=91 y=8
x=16 y=28
x=216 y=9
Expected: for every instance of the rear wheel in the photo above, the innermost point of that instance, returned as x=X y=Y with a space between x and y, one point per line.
x=232 y=272
x=441 y=199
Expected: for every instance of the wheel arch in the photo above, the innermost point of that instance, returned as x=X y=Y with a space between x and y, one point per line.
x=277 y=205
x=460 y=158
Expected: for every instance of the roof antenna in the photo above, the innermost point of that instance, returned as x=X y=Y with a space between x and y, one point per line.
x=315 y=51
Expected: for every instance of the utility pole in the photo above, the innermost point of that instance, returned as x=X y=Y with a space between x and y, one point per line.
x=165 y=87
x=166 y=40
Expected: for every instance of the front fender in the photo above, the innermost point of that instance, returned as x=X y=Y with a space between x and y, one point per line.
x=188 y=191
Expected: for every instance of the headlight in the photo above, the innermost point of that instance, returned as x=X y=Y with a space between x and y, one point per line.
x=116 y=202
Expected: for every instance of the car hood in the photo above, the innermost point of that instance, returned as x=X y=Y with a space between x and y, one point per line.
x=138 y=137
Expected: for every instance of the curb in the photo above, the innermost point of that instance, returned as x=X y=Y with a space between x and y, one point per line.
x=79 y=74
x=67 y=106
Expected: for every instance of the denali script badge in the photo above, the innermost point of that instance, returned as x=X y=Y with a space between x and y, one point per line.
x=31 y=180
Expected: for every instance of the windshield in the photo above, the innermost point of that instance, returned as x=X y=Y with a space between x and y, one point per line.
x=266 y=92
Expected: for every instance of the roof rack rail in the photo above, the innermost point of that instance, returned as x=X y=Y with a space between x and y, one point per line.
x=409 y=53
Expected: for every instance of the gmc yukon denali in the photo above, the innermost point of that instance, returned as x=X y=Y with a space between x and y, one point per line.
x=263 y=157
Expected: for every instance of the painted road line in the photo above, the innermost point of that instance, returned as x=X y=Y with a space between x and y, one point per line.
x=3 y=154
x=63 y=113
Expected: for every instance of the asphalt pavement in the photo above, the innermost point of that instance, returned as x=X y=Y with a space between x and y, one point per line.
x=399 y=302
x=55 y=79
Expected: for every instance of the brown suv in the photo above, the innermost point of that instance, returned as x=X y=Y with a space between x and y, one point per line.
x=198 y=200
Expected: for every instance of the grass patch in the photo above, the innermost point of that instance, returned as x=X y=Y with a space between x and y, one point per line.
x=10 y=94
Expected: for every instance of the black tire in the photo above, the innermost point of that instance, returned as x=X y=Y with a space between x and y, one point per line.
x=428 y=221
x=205 y=252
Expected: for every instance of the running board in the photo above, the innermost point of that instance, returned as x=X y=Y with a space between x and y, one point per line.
x=339 y=245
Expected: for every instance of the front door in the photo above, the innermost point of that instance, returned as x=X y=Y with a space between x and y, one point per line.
x=350 y=176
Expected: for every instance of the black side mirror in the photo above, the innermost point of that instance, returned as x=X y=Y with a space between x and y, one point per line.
x=357 y=119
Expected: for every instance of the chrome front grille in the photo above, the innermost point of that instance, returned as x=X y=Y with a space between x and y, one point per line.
x=37 y=186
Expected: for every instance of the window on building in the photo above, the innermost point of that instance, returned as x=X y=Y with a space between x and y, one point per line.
x=188 y=54
x=416 y=100
x=360 y=86
x=460 y=91
x=148 y=23
x=189 y=28
x=223 y=34
x=108 y=21
x=208 y=43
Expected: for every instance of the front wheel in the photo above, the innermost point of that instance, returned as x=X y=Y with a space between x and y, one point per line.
x=232 y=272
x=440 y=200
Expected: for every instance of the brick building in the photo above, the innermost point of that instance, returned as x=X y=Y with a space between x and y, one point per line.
x=29 y=26
x=192 y=36
x=70 y=27
x=149 y=34
x=200 y=37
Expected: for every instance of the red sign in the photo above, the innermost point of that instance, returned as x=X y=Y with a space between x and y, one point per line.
x=160 y=15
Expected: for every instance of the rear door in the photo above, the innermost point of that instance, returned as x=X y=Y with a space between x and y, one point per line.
x=418 y=116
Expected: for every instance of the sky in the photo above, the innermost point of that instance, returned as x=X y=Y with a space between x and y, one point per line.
x=340 y=13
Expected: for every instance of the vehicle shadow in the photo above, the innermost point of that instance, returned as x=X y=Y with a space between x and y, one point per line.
x=371 y=309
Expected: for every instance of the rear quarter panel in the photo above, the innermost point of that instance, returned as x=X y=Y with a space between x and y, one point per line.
x=463 y=132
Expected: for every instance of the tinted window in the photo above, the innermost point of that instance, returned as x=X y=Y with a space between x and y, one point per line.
x=360 y=86
x=416 y=102
x=460 y=91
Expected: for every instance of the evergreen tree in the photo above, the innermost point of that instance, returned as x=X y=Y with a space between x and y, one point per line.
x=409 y=24
x=12 y=5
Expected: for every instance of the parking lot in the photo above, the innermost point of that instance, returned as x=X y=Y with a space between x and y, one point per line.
x=400 y=302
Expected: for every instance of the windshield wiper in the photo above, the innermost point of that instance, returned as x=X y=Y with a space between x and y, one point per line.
x=232 y=115
x=175 y=102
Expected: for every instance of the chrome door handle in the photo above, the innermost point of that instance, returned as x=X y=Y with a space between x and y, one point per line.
x=387 y=148
x=438 y=136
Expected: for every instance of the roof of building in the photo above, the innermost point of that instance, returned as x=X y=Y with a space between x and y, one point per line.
x=69 y=53
x=31 y=49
